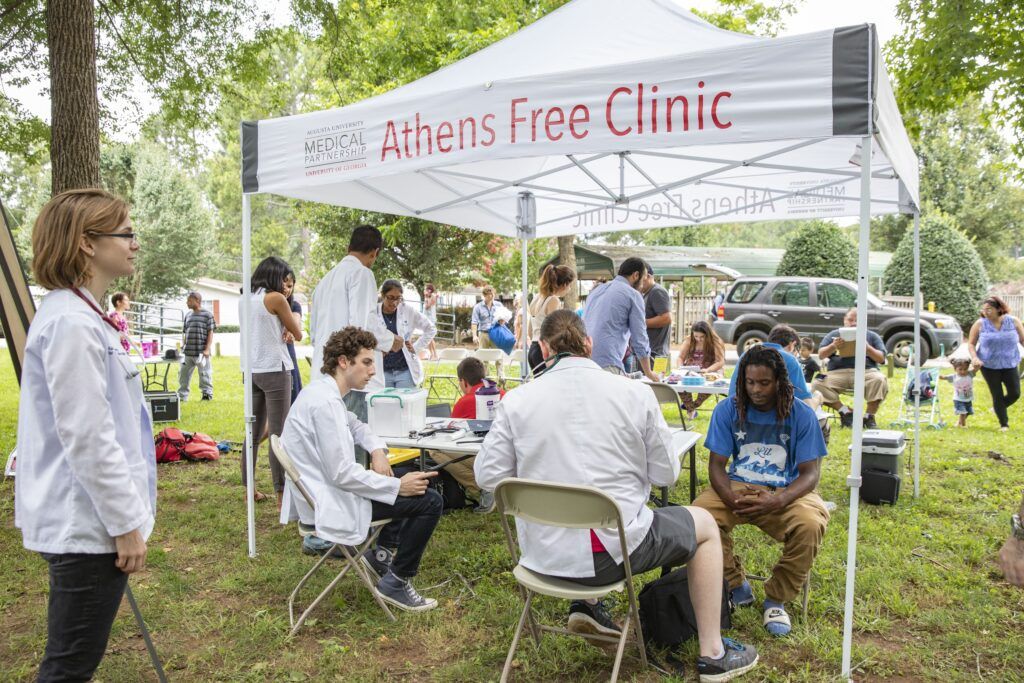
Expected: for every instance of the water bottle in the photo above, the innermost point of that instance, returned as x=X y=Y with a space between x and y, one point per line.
x=487 y=398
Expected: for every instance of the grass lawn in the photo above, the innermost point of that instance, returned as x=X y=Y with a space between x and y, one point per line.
x=931 y=604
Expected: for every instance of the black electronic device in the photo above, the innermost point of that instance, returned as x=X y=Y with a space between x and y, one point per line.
x=879 y=487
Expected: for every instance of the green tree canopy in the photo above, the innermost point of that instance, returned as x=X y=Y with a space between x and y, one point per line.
x=820 y=249
x=952 y=274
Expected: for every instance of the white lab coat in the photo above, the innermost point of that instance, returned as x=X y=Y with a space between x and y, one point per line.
x=86 y=469
x=409 y=320
x=347 y=296
x=319 y=436
x=579 y=424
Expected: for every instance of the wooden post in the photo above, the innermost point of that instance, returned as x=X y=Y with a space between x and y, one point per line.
x=890 y=363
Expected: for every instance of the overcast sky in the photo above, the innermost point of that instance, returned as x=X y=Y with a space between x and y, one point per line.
x=813 y=15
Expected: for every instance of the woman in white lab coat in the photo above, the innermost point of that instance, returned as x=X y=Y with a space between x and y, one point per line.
x=85 y=494
x=402 y=368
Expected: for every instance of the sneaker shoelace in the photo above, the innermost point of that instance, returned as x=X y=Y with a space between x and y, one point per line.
x=414 y=597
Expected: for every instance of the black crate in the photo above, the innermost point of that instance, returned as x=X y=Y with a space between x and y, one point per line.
x=163 y=406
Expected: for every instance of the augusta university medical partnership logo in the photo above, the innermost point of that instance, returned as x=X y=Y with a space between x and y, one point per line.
x=335 y=148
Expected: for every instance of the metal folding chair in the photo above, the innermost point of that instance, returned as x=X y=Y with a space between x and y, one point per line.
x=666 y=393
x=444 y=356
x=515 y=360
x=496 y=356
x=574 y=507
x=353 y=557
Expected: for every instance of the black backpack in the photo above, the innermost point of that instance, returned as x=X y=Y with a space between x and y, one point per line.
x=666 y=613
x=444 y=483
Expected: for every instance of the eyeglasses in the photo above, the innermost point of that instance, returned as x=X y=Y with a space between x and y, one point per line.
x=393 y=299
x=133 y=236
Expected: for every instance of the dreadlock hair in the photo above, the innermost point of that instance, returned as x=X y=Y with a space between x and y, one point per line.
x=767 y=358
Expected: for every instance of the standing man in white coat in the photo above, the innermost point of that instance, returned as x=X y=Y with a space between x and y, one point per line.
x=403 y=369
x=577 y=424
x=347 y=296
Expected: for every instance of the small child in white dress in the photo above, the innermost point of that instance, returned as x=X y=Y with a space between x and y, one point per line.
x=963 y=390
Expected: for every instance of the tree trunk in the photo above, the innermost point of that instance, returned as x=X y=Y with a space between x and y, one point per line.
x=567 y=257
x=75 y=120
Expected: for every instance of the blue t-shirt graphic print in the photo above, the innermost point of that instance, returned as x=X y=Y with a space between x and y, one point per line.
x=763 y=451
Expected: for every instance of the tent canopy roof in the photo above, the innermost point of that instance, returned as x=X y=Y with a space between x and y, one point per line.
x=614 y=116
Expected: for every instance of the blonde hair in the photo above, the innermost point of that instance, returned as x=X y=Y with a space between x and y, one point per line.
x=486 y=289
x=58 y=261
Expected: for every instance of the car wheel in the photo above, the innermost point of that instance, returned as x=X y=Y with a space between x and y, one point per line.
x=900 y=344
x=749 y=339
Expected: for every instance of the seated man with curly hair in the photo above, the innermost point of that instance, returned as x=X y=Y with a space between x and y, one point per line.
x=775 y=447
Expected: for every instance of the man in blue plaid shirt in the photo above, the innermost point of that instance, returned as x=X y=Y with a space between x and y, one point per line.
x=197 y=338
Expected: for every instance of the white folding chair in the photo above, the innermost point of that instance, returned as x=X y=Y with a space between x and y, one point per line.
x=496 y=356
x=574 y=507
x=444 y=356
x=515 y=360
x=352 y=556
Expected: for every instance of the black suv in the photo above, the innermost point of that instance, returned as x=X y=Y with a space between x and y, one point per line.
x=816 y=306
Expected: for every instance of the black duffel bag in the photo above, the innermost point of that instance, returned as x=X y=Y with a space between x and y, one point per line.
x=666 y=613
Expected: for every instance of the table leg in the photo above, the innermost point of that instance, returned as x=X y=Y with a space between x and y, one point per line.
x=693 y=472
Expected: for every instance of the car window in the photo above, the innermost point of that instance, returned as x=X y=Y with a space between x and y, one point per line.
x=833 y=295
x=792 y=294
x=744 y=292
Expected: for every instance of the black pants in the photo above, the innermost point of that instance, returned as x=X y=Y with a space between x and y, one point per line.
x=996 y=380
x=85 y=592
x=415 y=518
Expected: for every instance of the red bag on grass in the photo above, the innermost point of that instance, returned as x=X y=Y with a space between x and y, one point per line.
x=173 y=445
x=201 y=447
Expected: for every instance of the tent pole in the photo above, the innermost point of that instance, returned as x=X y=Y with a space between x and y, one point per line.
x=526 y=223
x=250 y=483
x=854 y=480
x=916 y=353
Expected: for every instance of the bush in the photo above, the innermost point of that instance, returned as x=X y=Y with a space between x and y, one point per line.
x=227 y=329
x=820 y=249
x=952 y=274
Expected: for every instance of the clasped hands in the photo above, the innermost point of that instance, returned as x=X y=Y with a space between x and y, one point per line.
x=411 y=483
x=749 y=501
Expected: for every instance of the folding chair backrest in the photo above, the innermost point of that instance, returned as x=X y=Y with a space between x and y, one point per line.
x=665 y=393
x=517 y=356
x=562 y=505
x=290 y=470
x=489 y=355
x=452 y=354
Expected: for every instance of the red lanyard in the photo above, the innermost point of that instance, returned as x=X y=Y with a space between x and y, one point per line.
x=101 y=314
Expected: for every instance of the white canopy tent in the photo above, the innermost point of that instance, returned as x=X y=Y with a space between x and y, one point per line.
x=606 y=115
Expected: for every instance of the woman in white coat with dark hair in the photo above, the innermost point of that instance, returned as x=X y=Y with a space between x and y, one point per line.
x=403 y=368
x=85 y=494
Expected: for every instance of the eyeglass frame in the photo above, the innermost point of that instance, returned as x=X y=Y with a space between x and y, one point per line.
x=133 y=236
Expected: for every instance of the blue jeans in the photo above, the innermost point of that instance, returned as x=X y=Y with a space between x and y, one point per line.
x=85 y=592
x=399 y=379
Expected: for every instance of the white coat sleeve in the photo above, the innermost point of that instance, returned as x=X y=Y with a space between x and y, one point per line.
x=339 y=462
x=497 y=457
x=363 y=298
x=362 y=435
x=75 y=362
x=662 y=463
x=429 y=330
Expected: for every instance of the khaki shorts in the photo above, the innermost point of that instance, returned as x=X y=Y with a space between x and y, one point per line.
x=837 y=382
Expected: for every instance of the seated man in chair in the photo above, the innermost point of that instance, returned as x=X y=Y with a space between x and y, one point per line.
x=577 y=424
x=840 y=377
x=320 y=436
x=775 y=446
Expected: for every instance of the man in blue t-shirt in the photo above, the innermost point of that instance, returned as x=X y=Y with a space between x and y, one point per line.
x=772 y=445
x=784 y=339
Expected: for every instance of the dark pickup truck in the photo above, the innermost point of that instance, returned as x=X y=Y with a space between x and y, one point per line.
x=816 y=306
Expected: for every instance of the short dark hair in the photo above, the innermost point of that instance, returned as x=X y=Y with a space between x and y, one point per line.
x=471 y=371
x=633 y=264
x=389 y=285
x=650 y=270
x=365 y=239
x=806 y=343
x=783 y=335
x=1002 y=308
x=347 y=342
x=270 y=275
x=197 y=296
x=117 y=298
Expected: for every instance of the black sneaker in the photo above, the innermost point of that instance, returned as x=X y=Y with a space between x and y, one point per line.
x=737 y=660
x=869 y=422
x=588 y=620
x=377 y=561
x=846 y=419
x=207 y=397
x=402 y=595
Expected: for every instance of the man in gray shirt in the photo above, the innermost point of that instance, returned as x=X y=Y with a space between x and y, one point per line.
x=658 y=311
x=614 y=317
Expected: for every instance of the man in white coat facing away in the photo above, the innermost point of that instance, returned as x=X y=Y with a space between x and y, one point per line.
x=320 y=436
x=577 y=424
x=346 y=296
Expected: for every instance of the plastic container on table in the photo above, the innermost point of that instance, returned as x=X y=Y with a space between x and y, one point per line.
x=397 y=412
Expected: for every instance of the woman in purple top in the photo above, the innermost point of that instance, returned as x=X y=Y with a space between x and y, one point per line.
x=993 y=343
x=121 y=304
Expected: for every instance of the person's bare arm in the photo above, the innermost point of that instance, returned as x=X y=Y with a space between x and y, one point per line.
x=877 y=355
x=720 y=481
x=1011 y=556
x=658 y=321
x=277 y=304
x=1020 y=330
x=972 y=344
x=827 y=350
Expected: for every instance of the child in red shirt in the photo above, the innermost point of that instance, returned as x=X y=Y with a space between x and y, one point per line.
x=471 y=373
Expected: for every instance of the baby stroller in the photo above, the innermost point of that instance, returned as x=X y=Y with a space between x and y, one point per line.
x=931 y=406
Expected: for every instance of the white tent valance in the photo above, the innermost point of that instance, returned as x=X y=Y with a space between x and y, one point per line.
x=667 y=121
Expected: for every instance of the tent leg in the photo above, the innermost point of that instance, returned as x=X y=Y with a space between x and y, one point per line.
x=526 y=222
x=917 y=354
x=250 y=483
x=523 y=369
x=854 y=480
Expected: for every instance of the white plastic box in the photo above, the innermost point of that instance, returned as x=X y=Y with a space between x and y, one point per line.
x=396 y=412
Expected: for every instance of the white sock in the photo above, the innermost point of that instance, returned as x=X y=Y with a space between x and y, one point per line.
x=718 y=654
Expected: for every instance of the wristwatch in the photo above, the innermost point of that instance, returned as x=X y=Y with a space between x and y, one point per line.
x=1017 y=529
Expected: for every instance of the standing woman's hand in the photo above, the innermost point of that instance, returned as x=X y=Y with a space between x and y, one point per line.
x=131 y=552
